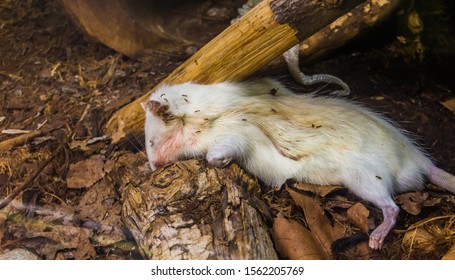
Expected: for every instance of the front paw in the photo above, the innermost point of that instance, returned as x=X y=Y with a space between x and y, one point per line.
x=218 y=161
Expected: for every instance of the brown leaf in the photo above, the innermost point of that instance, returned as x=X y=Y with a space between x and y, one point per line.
x=317 y=189
x=339 y=230
x=317 y=221
x=85 y=173
x=414 y=201
x=339 y=202
x=296 y=242
x=358 y=215
x=100 y=204
x=53 y=125
x=450 y=254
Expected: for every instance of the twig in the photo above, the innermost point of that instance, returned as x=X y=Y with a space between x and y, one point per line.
x=19 y=140
x=27 y=183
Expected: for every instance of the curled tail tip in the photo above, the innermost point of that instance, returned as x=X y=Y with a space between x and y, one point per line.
x=442 y=178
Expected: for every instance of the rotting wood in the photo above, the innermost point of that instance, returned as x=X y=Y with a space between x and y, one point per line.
x=189 y=210
x=244 y=47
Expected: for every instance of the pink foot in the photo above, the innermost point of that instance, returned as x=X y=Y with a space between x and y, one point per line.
x=378 y=235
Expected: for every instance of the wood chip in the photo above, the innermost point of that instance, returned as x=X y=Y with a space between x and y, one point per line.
x=85 y=173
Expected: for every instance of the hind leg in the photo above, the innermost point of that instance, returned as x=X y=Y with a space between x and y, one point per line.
x=377 y=191
x=390 y=212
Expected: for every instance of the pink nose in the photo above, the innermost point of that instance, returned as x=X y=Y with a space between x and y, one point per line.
x=158 y=164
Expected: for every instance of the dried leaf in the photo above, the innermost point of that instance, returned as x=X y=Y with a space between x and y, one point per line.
x=339 y=202
x=53 y=125
x=414 y=201
x=317 y=189
x=411 y=202
x=339 y=230
x=85 y=173
x=296 y=242
x=100 y=205
x=432 y=201
x=318 y=223
x=450 y=254
x=79 y=144
x=358 y=215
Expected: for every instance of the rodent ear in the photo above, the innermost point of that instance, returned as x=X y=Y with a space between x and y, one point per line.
x=144 y=106
x=152 y=106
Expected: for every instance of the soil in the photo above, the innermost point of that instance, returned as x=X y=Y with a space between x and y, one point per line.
x=54 y=79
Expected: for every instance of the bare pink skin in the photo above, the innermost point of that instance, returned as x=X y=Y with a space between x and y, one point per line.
x=441 y=178
x=390 y=213
x=168 y=148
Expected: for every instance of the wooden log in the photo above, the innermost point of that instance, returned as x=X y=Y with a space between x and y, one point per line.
x=189 y=210
x=264 y=33
x=111 y=23
x=347 y=27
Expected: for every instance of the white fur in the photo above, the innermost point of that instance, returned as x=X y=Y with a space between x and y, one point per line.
x=351 y=139
x=313 y=139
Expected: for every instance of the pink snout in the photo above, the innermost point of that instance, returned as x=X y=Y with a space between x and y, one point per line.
x=154 y=165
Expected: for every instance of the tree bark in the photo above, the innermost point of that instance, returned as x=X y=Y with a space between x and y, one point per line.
x=257 y=38
x=189 y=210
x=347 y=27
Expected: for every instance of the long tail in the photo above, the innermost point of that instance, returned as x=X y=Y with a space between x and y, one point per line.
x=442 y=179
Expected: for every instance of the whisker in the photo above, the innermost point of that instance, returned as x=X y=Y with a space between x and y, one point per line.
x=139 y=141
x=135 y=143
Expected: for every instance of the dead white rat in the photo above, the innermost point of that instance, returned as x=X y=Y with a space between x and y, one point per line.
x=278 y=135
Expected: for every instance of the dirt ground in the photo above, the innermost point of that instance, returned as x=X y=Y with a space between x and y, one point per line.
x=63 y=87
